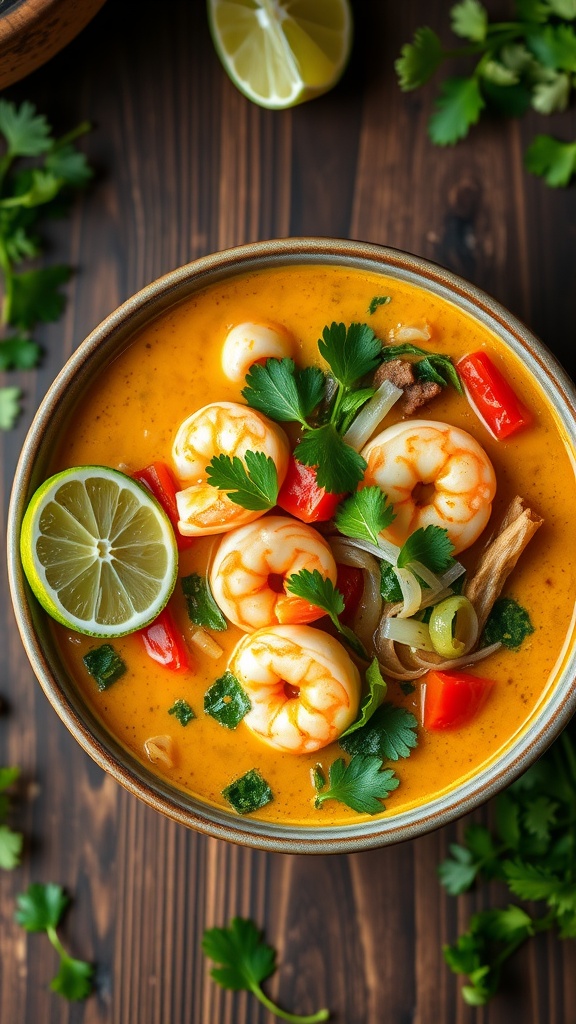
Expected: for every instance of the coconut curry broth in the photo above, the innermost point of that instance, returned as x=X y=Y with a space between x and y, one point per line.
x=129 y=419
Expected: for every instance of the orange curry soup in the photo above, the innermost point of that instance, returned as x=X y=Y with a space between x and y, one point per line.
x=129 y=419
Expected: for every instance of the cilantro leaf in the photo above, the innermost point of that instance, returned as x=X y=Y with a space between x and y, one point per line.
x=8 y=776
x=364 y=514
x=531 y=881
x=10 y=847
x=458 y=872
x=26 y=132
x=554 y=46
x=252 y=484
x=469 y=20
x=321 y=592
x=397 y=351
x=42 y=187
x=18 y=354
x=283 y=393
x=563 y=8
x=430 y=545
x=377 y=687
x=390 y=588
x=390 y=734
x=351 y=352
x=40 y=907
x=74 y=979
x=182 y=711
x=552 y=94
x=539 y=816
x=202 y=608
x=458 y=108
x=36 y=296
x=339 y=468
x=439 y=369
x=226 y=701
x=69 y=165
x=9 y=407
x=378 y=300
x=245 y=961
x=248 y=793
x=419 y=60
x=508 y=624
x=552 y=160
x=361 y=784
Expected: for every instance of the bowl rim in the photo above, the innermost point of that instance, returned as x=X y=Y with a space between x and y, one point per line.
x=548 y=718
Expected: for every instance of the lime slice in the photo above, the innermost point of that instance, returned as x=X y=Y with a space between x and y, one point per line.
x=282 y=52
x=98 y=551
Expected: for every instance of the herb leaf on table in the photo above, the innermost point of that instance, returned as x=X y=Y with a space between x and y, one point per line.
x=27 y=192
x=244 y=961
x=10 y=841
x=40 y=909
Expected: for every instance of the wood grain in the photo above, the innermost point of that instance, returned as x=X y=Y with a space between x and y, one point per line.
x=186 y=166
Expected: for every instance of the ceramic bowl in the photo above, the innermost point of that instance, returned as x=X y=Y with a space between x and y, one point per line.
x=32 y=31
x=95 y=353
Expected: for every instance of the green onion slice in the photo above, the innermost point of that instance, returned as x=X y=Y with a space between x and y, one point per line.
x=453 y=627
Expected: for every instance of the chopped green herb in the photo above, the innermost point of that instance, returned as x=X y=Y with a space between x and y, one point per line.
x=313 y=587
x=430 y=545
x=104 y=665
x=339 y=467
x=372 y=700
x=248 y=793
x=282 y=392
x=202 y=608
x=226 y=701
x=364 y=514
x=244 y=962
x=182 y=711
x=378 y=300
x=31 y=296
x=389 y=586
x=252 y=484
x=361 y=784
x=531 y=849
x=351 y=352
x=390 y=734
x=40 y=909
x=552 y=160
x=10 y=841
x=440 y=370
x=508 y=624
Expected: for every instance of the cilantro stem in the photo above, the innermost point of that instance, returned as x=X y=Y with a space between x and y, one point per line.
x=71 y=136
x=5 y=162
x=53 y=936
x=292 y=1018
x=6 y=266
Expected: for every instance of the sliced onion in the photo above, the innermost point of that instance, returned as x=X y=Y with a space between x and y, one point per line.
x=452 y=574
x=385 y=550
x=428 y=598
x=467 y=659
x=409 y=632
x=411 y=592
x=453 y=627
x=433 y=582
x=369 y=610
x=369 y=418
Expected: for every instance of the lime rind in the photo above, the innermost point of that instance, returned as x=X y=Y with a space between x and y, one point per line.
x=98 y=551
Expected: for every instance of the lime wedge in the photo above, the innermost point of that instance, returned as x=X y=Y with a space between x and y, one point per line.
x=282 y=52
x=98 y=551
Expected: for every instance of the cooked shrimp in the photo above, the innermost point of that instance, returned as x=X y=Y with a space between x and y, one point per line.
x=221 y=428
x=434 y=474
x=303 y=686
x=247 y=343
x=251 y=567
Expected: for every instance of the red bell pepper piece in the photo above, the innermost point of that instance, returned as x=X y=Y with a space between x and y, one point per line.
x=164 y=643
x=158 y=479
x=302 y=497
x=451 y=699
x=350 y=583
x=492 y=396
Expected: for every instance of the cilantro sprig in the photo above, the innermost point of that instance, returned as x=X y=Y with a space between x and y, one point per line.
x=532 y=850
x=287 y=394
x=10 y=841
x=29 y=190
x=430 y=545
x=527 y=62
x=252 y=484
x=40 y=909
x=244 y=961
x=313 y=587
x=364 y=515
x=362 y=784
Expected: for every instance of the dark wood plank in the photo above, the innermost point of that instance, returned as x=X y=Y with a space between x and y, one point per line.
x=186 y=166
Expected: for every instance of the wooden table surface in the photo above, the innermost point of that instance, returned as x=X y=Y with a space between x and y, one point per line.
x=185 y=166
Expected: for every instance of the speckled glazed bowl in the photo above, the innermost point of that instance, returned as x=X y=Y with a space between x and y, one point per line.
x=95 y=353
x=32 y=31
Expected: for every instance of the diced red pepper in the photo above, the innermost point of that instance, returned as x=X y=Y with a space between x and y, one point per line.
x=158 y=479
x=301 y=496
x=350 y=583
x=164 y=643
x=492 y=396
x=452 y=699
